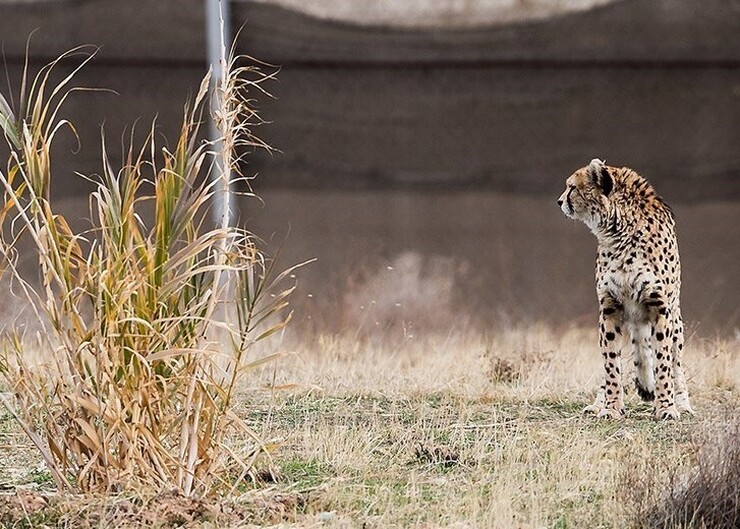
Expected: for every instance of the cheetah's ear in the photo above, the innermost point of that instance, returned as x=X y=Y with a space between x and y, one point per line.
x=600 y=176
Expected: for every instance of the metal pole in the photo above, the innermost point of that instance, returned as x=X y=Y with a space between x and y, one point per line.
x=218 y=45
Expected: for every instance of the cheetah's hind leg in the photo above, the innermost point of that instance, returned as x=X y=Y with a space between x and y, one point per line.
x=644 y=371
x=682 y=390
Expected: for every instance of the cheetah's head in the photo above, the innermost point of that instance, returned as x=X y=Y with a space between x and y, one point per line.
x=586 y=195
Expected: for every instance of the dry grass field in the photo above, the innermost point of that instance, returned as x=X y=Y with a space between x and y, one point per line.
x=462 y=430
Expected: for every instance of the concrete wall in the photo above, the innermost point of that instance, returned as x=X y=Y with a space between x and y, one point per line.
x=647 y=83
x=447 y=144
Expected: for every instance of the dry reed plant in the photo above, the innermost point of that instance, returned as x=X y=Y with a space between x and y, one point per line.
x=145 y=330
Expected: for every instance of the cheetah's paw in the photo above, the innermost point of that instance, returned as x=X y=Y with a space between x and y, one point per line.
x=603 y=412
x=612 y=413
x=668 y=413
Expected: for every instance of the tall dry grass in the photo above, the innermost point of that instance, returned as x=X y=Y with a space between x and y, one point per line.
x=145 y=330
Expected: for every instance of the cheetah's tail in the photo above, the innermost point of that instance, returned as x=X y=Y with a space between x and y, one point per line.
x=646 y=393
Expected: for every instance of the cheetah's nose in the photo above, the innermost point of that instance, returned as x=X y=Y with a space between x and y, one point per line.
x=560 y=202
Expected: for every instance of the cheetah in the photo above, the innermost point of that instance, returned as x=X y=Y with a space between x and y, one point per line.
x=638 y=283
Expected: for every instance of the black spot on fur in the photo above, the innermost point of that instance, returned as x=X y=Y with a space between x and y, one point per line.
x=614 y=225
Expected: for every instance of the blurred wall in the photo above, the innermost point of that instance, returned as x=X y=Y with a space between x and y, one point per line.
x=654 y=84
x=435 y=147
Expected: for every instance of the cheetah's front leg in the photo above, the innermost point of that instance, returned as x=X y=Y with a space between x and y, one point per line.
x=610 y=399
x=665 y=407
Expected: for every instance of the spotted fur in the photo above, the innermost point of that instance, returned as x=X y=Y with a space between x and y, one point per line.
x=638 y=283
